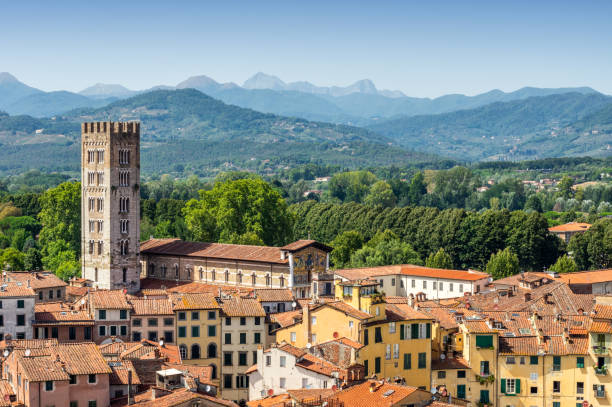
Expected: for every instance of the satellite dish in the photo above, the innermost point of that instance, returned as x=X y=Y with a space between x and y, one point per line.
x=6 y=353
x=27 y=352
x=294 y=304
x=442 y=356
x=208 y=388
x=270 y=392
x=161 y=342
x=308 y=345
x=434 y=390
x=83 y=301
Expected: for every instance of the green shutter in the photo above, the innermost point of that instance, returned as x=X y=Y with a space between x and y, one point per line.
x=415 y=331
x=580 y=362
x=407 y=361
x=366 y=340
x=461 y=391
x=518 y=386
x=503 y=386
x=402 y=333
x=484 y=341
x=365 y=367
x=428 y=329
x=377 y=365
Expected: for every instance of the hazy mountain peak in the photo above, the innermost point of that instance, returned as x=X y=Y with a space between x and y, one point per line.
x=106 y=90
x=198 y=81
x=264 y=81
x=6 y=77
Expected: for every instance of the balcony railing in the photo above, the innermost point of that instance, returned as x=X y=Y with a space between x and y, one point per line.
x=601 y=371
x=600 y=394
x=600 y=350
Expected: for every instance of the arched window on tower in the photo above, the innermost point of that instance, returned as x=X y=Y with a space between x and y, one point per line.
x=195 y=351
x=211 y=351
x=253 y=279
x=268 y=280
x=183 y=350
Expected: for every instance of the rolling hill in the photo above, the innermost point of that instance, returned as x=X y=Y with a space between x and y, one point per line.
x=536 y=127
x=188 y=129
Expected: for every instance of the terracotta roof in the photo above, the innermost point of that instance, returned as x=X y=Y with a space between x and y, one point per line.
x=194 y=301
x=28 y=343
x=346 y=308
x=526 y=346
x=529 y=276
x=5 y=392
x=571 y=227
x=81 y=358
x=274 y=295
x=119 y=374
x=449 y=363
x=285 y=319
x=193 y=287
x=152 y=307
x=109 y=299
x=444 y=316
x=67 y=317
x=601 y=327
x=361 y=396
x=153 y=292
x=41 y=369
x=45 y=279
x=602 y=311
x=251 y=369
x=478 y=327
x=202 y=373
x=350 y=342
x=411 y=270
x=242 y=307
x=292 y=350
x=16 y=289
x=557 y=345
x=301 y=244
x=177 y=247
x=271 y=401
x=305 y=395
x=180 y=397
x=76 y=291
x=405 y=312
x=321 y=366
x=587 y=277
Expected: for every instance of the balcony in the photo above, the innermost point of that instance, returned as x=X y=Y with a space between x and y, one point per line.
x=600 y=394
x=601 y=371
x=600 y=350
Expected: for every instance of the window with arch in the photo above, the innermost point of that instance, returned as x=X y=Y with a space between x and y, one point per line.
x=188 y=269
x=281 y=280
x=124 y=247
x=268 y=280
x=253 y=279
x=183 y=350
x=226 y=275
x=164 y=270
x=124 y=223
x=195 y=351
x=213 y=275
x=211 y=350
x=201 y=274
x=124 y=204
x=176 y=271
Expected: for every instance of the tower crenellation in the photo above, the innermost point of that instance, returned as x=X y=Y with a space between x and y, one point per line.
x=110 y=205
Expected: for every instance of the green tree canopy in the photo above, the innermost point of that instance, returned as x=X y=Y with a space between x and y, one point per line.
x=565 y=187
x=351 y=186
x=593 y=249
x=380 y=194
x=454 y=186
x=417 y=189
x=502 y=264
x=564 y=264
x=385 y=248
x=345 y=244
x=236 y=210
x=68 y=269
x=440 y=260
x=32 y=260
x=60 y=216
x=12 y=259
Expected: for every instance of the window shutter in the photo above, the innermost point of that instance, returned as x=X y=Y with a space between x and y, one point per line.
x=415 y=331
x=407 y=361
x=503 y=386
x=402 y=333
x=518 y=386
x=428 y=331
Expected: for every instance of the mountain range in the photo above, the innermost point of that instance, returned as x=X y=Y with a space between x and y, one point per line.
x=359 y=104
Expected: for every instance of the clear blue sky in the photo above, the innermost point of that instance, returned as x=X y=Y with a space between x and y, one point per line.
x=424 y=48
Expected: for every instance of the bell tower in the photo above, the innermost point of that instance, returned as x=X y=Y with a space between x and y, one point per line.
x=110 y=204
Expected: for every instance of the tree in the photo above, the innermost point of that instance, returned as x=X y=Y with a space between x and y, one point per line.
x=385 y=248
x=60 y=216
x=68 y=269
x=32 y=260
x=234 y=208
x=565 y=187
x=502 y=264
x=529 y=238
x=454 y=186
x=345 y=244
x=417 y=189
x=564 y=264
x=56 y=253
x=380 y=194
x=593 y=249
x=12 y=258
x=351 y=186
x=533 y=203
x=439 y=260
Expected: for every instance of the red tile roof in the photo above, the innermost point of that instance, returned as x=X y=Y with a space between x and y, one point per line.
x=587 y=277
x=152 y=307
x=274 y=295
x=66 y=317
x=119 y=375
x=108 y=299
x=411 y=270
x=45 y=279
x=449 y=363
x=301 y=244
x=361 y=396
x=194 y=301
x=242 y=307
x=571 y=227
x=177 y=247
x=15 y=289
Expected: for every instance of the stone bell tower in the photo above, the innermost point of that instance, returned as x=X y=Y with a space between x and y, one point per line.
x=110 y=204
